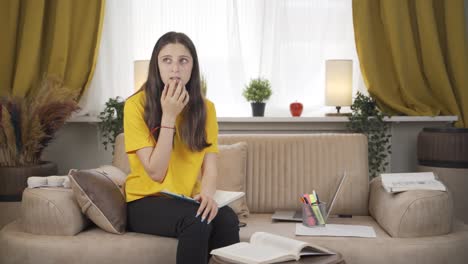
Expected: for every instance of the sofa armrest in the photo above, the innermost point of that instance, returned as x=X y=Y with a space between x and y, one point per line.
x=411 y=213
x=51 y=211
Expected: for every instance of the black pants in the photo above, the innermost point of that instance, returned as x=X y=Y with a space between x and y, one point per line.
x=170 y=217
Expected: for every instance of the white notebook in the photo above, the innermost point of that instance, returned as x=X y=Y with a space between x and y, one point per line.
x=400 y=182
x=336 y=230
x=221 y=197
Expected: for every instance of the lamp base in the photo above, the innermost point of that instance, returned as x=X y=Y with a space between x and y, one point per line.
x=338 y=113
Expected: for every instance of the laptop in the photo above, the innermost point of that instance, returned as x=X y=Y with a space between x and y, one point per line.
x=296 y=216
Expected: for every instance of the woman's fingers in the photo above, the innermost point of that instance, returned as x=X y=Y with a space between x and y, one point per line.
x=174 y=97
x=179 y=91
x=208 y=209
x=213 y=213
x=164 y=92
x=201 y=208
x=186 y=99
x=172 y=88
x=183 y=97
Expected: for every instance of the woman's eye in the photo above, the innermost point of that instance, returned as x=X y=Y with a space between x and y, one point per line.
x=183 y=61
x=167 y=60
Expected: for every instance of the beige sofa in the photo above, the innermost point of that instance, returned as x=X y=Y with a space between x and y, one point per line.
x=411 y=227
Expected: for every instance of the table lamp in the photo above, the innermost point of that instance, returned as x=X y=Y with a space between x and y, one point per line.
x=140 y=73
x=338 y=84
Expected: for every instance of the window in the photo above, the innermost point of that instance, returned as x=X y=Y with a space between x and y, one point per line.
x=285 y=41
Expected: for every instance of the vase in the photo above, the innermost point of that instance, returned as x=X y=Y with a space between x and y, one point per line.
x=444 y=151
x=258 y=109
x=13 y=180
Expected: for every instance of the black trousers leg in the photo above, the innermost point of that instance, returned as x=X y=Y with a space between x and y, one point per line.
x=175 y=218
x=225 y=229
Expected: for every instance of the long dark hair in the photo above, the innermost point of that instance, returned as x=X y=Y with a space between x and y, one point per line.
x=192 y=128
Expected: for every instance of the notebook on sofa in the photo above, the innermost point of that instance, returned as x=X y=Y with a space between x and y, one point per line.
x=221 y=197
x=296 y=216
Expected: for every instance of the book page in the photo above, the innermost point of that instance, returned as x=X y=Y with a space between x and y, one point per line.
x=249 y=253
x=289 y=245
x=223 y=198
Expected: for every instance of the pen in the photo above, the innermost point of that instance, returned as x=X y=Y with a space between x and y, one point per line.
x=345 y=216
x=309 y=214
x=316 y=196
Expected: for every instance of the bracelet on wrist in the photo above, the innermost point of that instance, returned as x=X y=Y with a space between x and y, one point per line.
x=158 y=127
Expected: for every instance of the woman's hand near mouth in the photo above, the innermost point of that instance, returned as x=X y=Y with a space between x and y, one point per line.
x=173 y=100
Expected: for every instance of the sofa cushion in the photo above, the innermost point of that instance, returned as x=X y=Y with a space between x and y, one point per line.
x=100 y=199
x=281 y=167
x=413 y=213
x=232 y=169
x=94 y=245
x=51 y=211
x=120 y=158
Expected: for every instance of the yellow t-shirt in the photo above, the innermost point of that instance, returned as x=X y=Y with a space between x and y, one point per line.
x=184 y=164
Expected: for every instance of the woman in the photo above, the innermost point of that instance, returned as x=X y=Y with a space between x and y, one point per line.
x=171 y=141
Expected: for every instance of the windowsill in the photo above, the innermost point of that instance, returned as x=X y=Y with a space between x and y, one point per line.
x=308 y=119
x=340 y=119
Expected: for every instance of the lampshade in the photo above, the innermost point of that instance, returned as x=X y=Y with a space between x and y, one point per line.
x=140 y=73
x=338 y=82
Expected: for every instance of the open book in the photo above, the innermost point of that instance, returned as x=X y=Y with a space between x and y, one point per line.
x=221 y=197
x=399 y=182
x=268 y=248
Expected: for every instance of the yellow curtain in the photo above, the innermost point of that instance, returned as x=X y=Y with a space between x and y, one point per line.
x=53 y=37
x=414 y=55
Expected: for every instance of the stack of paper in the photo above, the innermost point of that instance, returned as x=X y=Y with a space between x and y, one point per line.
x=336 y=230
x=399 y=182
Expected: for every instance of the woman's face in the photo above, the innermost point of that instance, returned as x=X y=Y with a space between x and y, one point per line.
x=175 y=63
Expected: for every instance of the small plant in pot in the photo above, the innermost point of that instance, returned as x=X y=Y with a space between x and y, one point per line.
x=257 y=92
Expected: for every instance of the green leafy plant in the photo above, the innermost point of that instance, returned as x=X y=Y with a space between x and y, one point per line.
x=258 y=90
x=367 y=119
x=28 y=124
x=111 y=124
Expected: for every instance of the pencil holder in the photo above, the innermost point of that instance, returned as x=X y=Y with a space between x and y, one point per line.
x=314 y=215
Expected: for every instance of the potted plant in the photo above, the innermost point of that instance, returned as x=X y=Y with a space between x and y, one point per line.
x=28 y=125
x=111 y=124
x=367 y=119
x=257 y=92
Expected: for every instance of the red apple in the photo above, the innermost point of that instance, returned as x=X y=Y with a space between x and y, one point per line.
x=296 y=108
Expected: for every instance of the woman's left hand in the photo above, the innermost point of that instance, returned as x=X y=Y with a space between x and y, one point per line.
x=208 y=207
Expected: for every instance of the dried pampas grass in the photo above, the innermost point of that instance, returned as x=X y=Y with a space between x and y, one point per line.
x=27 y=125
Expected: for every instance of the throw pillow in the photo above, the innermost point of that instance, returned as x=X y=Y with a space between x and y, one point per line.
x=116 y=175
x=100 y=199
x=232 y=173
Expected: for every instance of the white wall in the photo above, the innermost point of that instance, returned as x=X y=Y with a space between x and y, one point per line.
x=77 y=146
